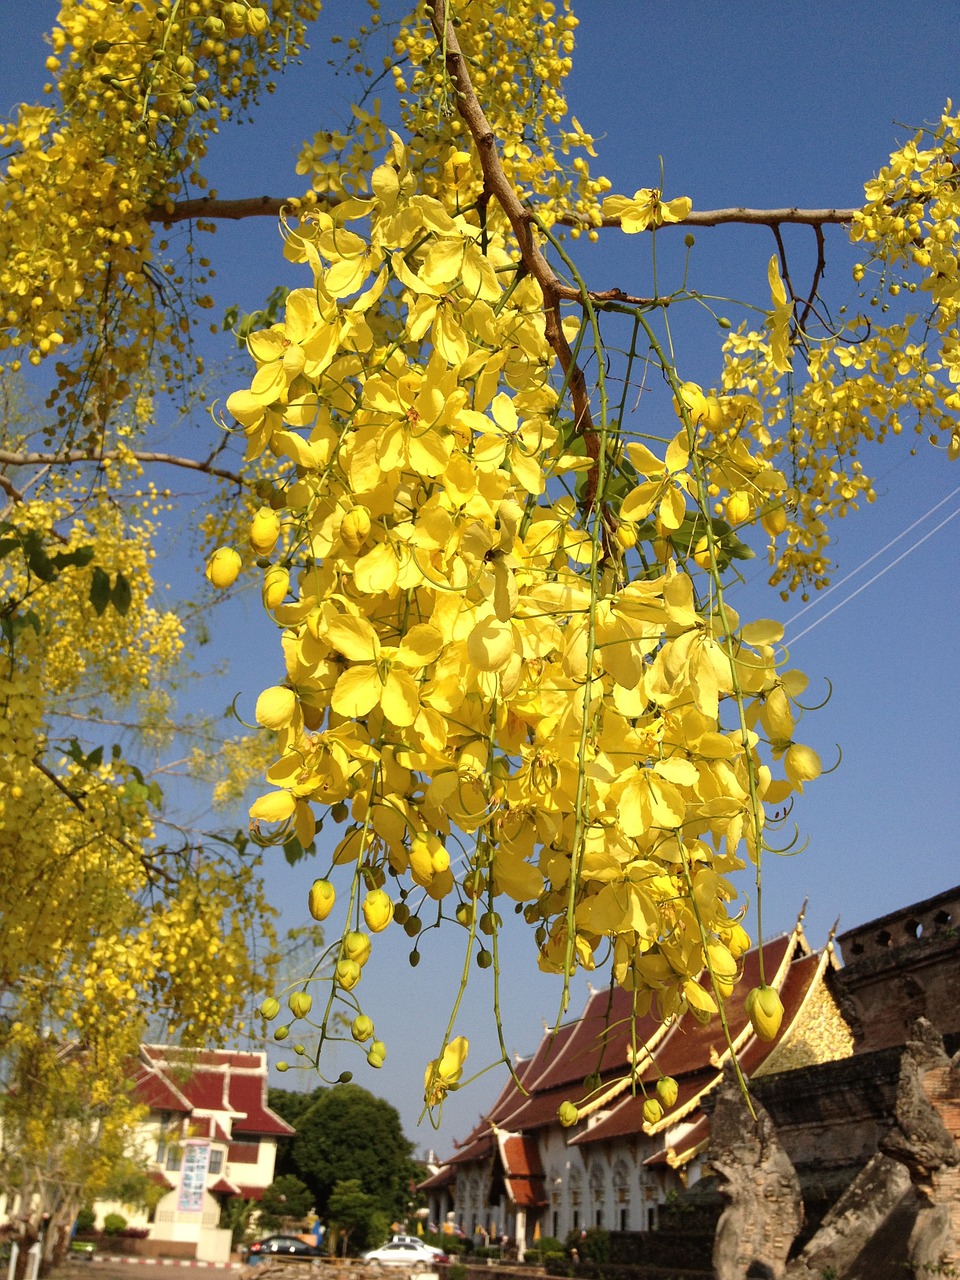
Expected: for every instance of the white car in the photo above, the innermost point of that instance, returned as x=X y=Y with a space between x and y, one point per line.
x=420 y=1244
x=406 y=1251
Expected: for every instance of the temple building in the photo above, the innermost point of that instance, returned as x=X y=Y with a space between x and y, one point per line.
x=825 y=1079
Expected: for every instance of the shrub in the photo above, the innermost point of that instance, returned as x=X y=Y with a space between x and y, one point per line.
x=592 y=1244
x=457 y=1271
x=546 y=1245
x=86 y=1220
x=113 y=1224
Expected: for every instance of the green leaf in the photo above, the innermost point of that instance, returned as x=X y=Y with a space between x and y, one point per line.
x=100 y=590
x=78 y=558
x=121 y=596
x=293 y=851
x=94 y=759
x=40 y=564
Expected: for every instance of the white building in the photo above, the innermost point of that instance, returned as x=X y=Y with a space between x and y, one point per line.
x=209 y=1137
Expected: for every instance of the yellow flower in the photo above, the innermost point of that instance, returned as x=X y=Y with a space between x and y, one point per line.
x=645 y=211
x=445 y=1072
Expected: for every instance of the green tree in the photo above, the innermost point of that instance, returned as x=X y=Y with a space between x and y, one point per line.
x=353 y=1213
x=286 y=1199
x=346 y=1132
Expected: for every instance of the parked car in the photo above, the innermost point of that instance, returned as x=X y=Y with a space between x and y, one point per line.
x=406 y=1252
x=282 y=1246
x=420 y=1243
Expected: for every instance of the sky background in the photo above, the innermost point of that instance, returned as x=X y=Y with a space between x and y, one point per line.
x=747 y=104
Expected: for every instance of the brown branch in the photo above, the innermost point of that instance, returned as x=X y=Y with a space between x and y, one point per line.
x=10 y=490
x=817 y=277
x=721 y=217
x=10 y=459
x=496 y=184
x=271 y=206
x=59 y=784
x=234 y=210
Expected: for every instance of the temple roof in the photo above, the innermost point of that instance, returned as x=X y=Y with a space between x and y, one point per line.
x=598 y=1044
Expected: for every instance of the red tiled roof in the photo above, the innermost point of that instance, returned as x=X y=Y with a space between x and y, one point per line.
x=444 y=1177
x=248 y=1099
x=207 y=1090
x=223 y=1187
x=690 y=1052
x=251 y=1193
x=673 y=1154
x=217 y=1080
x=478 y=1149
x=538 y=1110
x=522 y=1170
x=159 y=1179
x=626 y=1117
x=595 y=1042
x=152 y=1089
x=208 y=1127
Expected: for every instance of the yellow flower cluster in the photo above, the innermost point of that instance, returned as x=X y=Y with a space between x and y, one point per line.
x=892 y=364
x=522 y=54
x=101 y=924
x=501 y=699
x=140 y=86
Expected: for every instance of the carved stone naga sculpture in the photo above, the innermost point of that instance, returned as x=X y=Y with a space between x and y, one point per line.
x=764 y=1208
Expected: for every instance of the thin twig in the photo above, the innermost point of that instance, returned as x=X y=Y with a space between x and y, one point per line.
x=33 y=459
x=817 y=277
x=74 y=799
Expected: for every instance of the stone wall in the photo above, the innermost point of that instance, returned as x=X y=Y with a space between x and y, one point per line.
x=901 y=967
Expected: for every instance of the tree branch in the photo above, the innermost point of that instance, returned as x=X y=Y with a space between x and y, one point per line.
x=497 y=184
x=271 y=206
x=32 y=459
x=234 y=210
x=748 y=217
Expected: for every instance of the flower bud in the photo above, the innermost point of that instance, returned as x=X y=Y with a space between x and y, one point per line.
x=377 y=910
x=667 y=1091
x=276 y=584
x=737 y=507
x=377 y=1053
x=356 y=946
x=355 y=528
x=361 y=1028
x=764 y=1008
x=264 y=531
x=652 y=1111
x=347 y=974
x=568 y=1114
x=276 y=707
x=257 y=20
x=300 y=1003
x=321 y=899
x=223 y=568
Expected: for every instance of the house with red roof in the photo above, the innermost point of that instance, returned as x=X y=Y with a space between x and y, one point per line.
x=521 y=1174
x=209 y=1137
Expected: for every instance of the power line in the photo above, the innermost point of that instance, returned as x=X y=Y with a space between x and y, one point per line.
x=886 y=569
x=822 y=595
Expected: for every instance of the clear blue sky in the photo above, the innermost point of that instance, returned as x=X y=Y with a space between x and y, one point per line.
x=747 y=103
